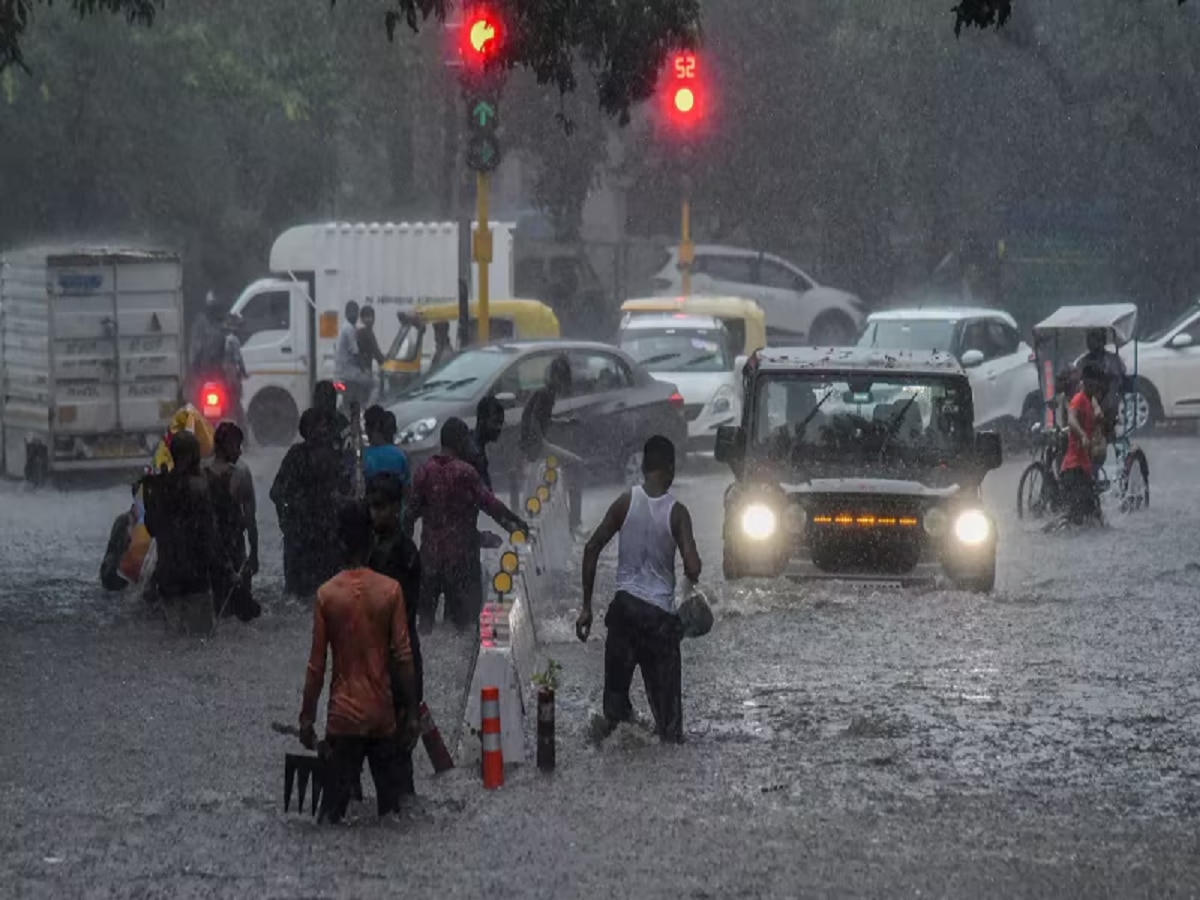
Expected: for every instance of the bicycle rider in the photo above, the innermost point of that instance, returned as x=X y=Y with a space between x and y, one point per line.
x=1078 y=480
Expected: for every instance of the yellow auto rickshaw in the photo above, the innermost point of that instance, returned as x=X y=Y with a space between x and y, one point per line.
x=744 y=319
x=411 y=353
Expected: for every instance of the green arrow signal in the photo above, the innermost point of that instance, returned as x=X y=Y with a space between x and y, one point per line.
x=483 y=112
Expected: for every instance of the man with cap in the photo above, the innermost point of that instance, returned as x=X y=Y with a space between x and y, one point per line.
x=644 y=628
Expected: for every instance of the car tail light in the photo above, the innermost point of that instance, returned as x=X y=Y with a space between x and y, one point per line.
x=340 y=387
x=212 y=400
x=676 y=400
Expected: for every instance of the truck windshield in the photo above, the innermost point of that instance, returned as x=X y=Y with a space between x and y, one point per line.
x=909 y=334
x=883 y=419
x=463 y=377
x=678 y=350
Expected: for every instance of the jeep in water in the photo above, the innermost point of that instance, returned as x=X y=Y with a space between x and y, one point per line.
x=858 y=464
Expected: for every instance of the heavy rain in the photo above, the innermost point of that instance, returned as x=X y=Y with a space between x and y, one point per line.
x=291 y=292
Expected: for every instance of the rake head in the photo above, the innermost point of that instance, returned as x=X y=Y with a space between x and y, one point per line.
x=305 y=768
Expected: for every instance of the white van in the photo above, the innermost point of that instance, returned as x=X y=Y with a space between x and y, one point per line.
x=696 y=354
x=291 y=319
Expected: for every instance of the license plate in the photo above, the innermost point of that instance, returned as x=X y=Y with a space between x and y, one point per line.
x=114 y=450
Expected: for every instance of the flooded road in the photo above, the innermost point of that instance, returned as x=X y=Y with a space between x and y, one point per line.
x=1041 y=742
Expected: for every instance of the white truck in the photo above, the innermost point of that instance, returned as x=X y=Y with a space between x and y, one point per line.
x=291 y=319
x=91 y=357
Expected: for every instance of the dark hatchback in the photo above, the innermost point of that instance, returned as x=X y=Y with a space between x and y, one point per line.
x=614 y=406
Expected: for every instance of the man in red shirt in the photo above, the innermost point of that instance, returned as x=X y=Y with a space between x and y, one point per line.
x=360 y=614
x=447 y=494
x=1078 y=483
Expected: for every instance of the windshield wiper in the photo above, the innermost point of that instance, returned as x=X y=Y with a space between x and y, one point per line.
x=653 y=360
x=699 y=359
x=894 y=425
x=812 y=415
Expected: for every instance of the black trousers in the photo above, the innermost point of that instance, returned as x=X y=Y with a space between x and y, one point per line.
x=460 y=582
x=344 y=767
x=640 y=635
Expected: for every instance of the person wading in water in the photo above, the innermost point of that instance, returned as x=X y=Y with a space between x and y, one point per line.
x=232 y=490
x=361 y=616
x=191 y=557
x=643 y=628
x=394 y=554
x=447 y=494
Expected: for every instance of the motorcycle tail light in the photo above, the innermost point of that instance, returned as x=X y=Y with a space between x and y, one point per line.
x=212 y=400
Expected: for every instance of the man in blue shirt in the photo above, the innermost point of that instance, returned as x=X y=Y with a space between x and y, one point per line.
x=382 y=455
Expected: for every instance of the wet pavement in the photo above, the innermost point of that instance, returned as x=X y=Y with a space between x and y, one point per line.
x=1041 y=742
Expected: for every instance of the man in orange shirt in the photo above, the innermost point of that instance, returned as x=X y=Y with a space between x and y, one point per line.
x=1078 y=484
x=361 y=615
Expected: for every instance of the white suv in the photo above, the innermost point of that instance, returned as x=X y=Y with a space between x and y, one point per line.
x=1004 y=378
x=1168 y=371
x=798 y=310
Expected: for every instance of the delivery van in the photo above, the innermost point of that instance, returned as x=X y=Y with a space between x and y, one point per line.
x=290 y=321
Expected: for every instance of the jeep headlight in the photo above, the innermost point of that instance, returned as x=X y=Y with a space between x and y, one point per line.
x=972 y=527
x=759 y=521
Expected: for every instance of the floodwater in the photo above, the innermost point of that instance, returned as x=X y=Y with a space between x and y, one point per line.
x=1041 y=742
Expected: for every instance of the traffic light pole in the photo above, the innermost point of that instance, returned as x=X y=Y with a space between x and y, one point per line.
x=482 y=252
x=686 y=248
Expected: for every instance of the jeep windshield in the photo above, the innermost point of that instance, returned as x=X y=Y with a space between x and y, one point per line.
x=896 y=425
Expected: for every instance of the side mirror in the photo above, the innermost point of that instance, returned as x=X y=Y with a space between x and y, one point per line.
x=972 y=358
x=731 y=444
x=987 y=446
x=1181 y=340
x=507 y=399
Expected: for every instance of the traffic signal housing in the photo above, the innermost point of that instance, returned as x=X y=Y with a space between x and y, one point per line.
x=684 y=94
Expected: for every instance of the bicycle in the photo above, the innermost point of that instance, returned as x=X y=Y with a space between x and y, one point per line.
x=1038 y=491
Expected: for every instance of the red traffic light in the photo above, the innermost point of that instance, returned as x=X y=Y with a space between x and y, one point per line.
x=480 y=36
x=684 y=93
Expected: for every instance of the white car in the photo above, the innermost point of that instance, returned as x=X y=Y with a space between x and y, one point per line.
x=1168 y=371
x=798 y=310
x=1000 y=366
x=695 y=353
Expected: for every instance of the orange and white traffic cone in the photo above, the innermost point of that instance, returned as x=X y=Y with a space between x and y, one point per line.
x=493 y=754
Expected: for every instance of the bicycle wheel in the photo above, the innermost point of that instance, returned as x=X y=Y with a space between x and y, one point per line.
x=1036 y=491
x=1135 y=482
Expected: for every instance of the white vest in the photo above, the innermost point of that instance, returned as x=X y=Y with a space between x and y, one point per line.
x=646 y=551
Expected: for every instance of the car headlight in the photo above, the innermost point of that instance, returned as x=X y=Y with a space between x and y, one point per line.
x=759 y=521
x=935 y=522
x=722 y=401
x=417 y=431
x=972 y=527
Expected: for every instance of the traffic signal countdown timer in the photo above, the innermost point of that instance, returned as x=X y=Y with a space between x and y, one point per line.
x=480 y=41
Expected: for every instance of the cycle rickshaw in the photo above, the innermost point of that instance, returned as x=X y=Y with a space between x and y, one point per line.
x=1059 y=342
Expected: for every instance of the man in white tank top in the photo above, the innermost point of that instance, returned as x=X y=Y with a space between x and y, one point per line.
x=643 y=628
